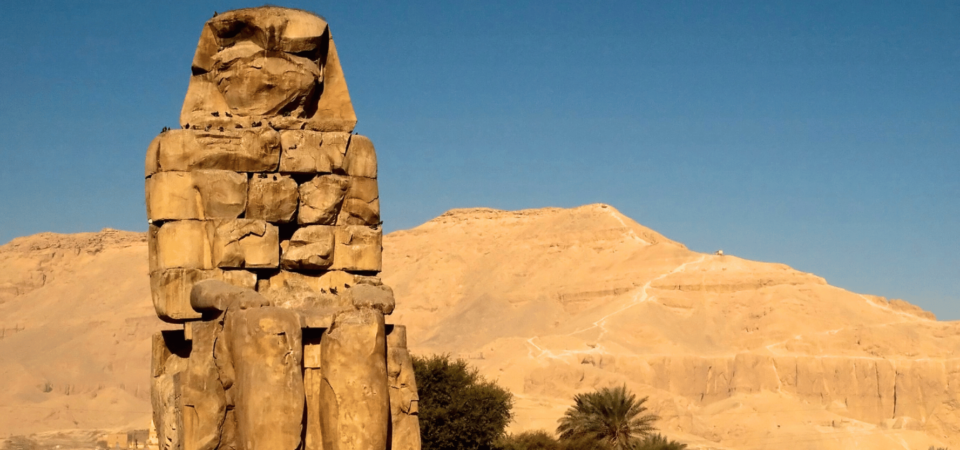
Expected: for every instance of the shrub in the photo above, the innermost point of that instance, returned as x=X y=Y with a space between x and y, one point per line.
x=459 y=409
x=529 y=440
x=541 y=440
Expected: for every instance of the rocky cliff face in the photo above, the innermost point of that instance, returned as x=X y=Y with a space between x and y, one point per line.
x=31 y=262
x=734 y=354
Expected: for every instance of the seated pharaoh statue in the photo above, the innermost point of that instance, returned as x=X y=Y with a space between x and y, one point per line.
x=265 y=245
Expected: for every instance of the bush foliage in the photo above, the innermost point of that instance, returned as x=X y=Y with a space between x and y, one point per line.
x=459 y=409
x=541 y=440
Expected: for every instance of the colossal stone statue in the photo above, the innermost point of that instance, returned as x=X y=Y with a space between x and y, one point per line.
x=265 y=243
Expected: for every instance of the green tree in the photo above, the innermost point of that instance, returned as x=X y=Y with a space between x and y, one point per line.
x=612 y=416
x=529 y=440
x=459 y=409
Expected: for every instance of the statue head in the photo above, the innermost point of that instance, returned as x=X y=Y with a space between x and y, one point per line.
x=267 y=64
x=265 y=187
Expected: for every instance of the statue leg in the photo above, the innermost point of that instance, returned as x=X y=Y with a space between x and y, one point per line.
x=168 y=362
x=266 y=350
x=353 y=390
x=204 y=399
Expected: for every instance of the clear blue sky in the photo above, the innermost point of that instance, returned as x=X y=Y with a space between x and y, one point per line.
x=824 y=135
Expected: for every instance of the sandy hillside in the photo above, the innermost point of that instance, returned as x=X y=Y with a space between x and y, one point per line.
x=77 y=319
x=734 y=354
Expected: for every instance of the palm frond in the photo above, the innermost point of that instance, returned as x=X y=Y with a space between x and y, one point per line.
x=613 y=416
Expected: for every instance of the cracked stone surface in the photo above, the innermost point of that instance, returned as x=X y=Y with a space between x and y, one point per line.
x=321 y=199
x=307 y=151
x=310 y=248
x=272 y=198
x=245 y=243
x=199 y=194
x=354 y=397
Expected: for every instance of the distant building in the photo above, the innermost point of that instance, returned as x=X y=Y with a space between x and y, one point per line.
x=129 y=440
x=116 y=440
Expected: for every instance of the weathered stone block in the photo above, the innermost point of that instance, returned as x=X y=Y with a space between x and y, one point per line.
x=361 y=158
x=203 y=99
x=215 y=296
x=334 y=109
x=272 y=197
x=171 y=289
x=288 y=283
x=317 y=297
x=321 y=199
x=245 y=243
x=222 y=243
x=266 y=351
x=203 y=395
x=354 y=398
x=246 y=150
x=152 y=164
x=379 y=297
x=199 y=194
x=361 y=203
x=311 y=356
x=164 y=344
x=307 y=151
x=152 y=258
x=358 y=248
x=404 y=399
x=312 y=383
x=310 y=248
x=169 y=353
x=183 y=244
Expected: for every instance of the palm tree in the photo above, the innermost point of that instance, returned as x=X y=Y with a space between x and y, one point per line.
x=612 y=416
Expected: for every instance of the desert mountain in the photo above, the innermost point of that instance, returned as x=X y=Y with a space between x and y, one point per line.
x=734 y=354
x=76 y=320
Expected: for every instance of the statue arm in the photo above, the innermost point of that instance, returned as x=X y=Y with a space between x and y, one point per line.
x=215 y=295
